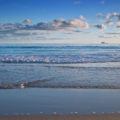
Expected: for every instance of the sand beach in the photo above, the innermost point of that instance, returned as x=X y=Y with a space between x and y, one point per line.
x=63 y=117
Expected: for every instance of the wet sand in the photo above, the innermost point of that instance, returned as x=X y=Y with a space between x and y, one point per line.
x=63 y=117
x=62 y=101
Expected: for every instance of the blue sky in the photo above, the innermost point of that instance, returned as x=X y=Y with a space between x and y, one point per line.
x=59 y=21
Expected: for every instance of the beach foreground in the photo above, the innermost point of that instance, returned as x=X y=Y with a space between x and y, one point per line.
x=63 y=117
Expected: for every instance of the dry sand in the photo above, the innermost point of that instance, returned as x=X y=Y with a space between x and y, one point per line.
x=63 y=117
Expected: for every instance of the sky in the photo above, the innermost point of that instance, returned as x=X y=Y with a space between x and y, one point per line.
x=60 y=21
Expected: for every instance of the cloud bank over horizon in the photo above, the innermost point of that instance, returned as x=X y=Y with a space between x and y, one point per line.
x=27 y=28
x=86 y=27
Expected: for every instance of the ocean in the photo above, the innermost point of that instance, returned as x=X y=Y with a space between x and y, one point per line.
x=59 y=54
x=63 y=66
x=61 y=79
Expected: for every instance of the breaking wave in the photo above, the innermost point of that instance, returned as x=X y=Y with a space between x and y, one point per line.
x=88 y=58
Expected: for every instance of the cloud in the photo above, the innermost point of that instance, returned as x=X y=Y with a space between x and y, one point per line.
x=39 y=29
x=76 y=2
x=111 y=15
x=118 y=26
x=26 y=29
x=81 y=17
x=103 y=36
x=10 y=26
x=110 y=22
x=114 y=14
x=99 y=15
x=102 y=26
x=110 y=35
x=27 y=21
x=76 y=23
x=77 y=31
x=60 y=24
x=28 y=32
x=102 y=2
x=118 y=23
x=113 y=33
x=110 y=18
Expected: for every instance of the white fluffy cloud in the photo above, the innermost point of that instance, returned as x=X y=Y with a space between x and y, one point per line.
x=102 y=26
x=81 y=17
x=61 y=24
x=111 y=15
x=55 y=25
x=110 y=22
x=27 y=29
x=110 y=19
x=27 y=21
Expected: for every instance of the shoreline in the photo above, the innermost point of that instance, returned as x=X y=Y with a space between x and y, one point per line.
x=26 y=86
x=63 y=117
